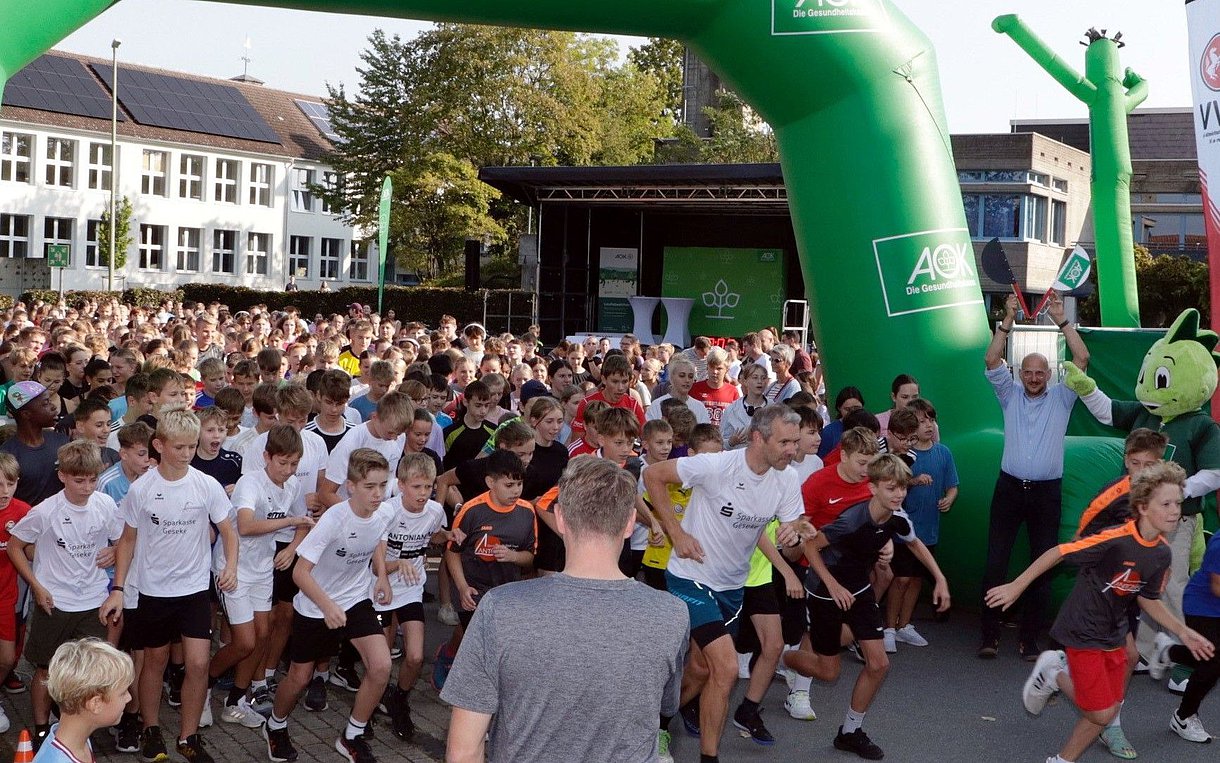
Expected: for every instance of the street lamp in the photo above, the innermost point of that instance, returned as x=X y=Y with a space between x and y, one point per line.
x=114 y=154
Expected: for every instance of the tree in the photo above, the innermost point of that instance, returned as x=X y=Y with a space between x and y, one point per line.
x=122 y=234
x=739 y=136
x=1167 y=284
x=483 y=96
x=662 y=58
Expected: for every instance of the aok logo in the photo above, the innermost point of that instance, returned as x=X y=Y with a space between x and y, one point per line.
x=928 y=270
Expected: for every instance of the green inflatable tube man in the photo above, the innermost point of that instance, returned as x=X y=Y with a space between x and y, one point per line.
x=1110 y=99
x=851 y=89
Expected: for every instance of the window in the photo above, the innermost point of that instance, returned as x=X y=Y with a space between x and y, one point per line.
x=15 y=151
x=226 y=180
x=1001 y=176
x=188 y=249
x=1059 y=185
x=14 y=235
x=1059 y=222
x=1035 y=217
x=93 y=252
x=190 y=177
x=991 y=215
x=358 y=266
x=152 y=247
x=261 y=176
x=1174 y=232
x=154 y=175
x=224 y=246
x=330 y=181
x=258 y=249
x=1038 y=178
x=328 y=264
x=302 y=196
x=100 y=166
x=56 y=230
x=59 y=161
x=298 y=256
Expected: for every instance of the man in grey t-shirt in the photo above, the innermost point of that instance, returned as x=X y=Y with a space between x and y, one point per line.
x=578 y=665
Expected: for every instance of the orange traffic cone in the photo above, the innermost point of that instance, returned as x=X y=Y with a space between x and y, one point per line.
x=25 y=748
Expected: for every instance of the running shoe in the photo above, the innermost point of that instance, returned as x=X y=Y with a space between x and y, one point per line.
x=279 y=746
x=751 y=726
x=315 y=695
x=889 y=639
x=989 y=648
x=743 y=665
x=908 y=635
x=244 y=713
x=1116 y=742
x=854 y=648
x=1160 y=663
x=193 y=750
x=400 y=719
x=40 y=736
x=127 y=733
x=262 y=700
x=859 y=743
x=1190 y=729
x=690 y=717
x=447 y=615
x=797 y=705
x=4 y=721
x=389 y=699
x=396 y=650
x=152 y=746
x=441 y=665
x=663 y=740
x=14 y=685
x=355 y=750
x=1030 y=651
x=1041 y=682
x=205 y=716
x=345 y=677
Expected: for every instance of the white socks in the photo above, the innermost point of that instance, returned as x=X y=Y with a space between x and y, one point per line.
x=852 y=721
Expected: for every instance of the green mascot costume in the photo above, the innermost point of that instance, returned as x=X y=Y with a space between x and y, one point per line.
x=1177 y=378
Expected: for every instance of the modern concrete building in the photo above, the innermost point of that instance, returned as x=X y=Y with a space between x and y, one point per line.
x=220 y=174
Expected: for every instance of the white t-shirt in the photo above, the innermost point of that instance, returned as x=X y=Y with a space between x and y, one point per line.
x=361 y=437
x=353 y=415
x=173 y=553
x=313 y=460
x=729 y=507
x=806 y=467
x=232 y=441
x=407 y=538
x=241 y=442
x=256 y=491
x=66 y=540
x=340 y=546
x=696 y=407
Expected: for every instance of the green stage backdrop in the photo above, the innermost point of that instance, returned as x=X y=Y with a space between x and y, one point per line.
x=735 y=290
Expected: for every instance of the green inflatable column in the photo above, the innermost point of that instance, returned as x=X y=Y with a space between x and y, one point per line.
x=1110 y=97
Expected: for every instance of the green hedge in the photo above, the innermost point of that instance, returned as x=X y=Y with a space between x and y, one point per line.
x=140 y=297
x=416 y=303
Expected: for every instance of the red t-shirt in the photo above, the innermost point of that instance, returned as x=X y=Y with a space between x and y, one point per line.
x=626 y=402
x=716 y=400
x=580 y=448
x=826 y=495
x=9 y=516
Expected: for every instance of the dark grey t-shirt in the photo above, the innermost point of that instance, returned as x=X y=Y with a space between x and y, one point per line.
x=39 y=480
x=572 y=669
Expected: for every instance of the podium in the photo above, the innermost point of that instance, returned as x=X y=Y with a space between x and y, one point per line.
x=643 y=308
x=677 y=316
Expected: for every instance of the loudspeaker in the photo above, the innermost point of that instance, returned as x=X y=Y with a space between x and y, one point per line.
x=474 y=248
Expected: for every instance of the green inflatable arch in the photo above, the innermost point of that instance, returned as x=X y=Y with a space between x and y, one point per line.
x=851 y=89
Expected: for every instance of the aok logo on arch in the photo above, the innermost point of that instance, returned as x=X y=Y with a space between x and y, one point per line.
x=929 y=270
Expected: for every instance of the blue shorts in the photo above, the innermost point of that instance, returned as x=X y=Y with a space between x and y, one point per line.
x=712 y=613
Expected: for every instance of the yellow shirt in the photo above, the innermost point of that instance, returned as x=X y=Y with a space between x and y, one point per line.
x=657 y=557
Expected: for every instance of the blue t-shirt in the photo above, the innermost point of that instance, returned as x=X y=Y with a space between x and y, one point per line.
x=118 y=408
x=1198 y=598
x=921 y=500
x=831 y=434
x=53 y=752
x=114 y=483
x=364 y=406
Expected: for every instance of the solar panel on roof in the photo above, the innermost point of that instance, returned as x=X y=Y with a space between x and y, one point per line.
x=320 y=116
x=60 y=85
x=177 y=103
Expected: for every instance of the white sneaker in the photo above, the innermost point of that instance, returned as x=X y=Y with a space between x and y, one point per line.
x=1041 y=682
x=4 y=722
x=447 y=615
x=243 y=712
x=743 y=664
x=1190 y=729
x=889 y=639
x=1160 y=662
x=205 y=718
x=908 y=635
x=797 y=705
x=786 y=673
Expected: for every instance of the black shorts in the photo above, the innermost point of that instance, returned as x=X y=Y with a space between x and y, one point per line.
x=794 y=616
x=406 y=613
x=464 y=617
x=159 y=620
x=760 y=600
x=283 y=589
x=826 y=622
x=313 y=641
x=905 y=565
x=655 y=578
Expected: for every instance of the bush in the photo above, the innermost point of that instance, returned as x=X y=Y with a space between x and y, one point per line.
x=139 y=297
x=6 y=302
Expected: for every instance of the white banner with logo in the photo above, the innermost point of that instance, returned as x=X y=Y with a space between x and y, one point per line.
x=617 y=279
x=1203 y=22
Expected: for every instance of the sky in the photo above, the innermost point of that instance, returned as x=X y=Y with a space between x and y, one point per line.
x=986 y=79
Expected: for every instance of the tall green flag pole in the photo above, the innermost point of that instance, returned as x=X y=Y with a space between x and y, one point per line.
x=383 y=236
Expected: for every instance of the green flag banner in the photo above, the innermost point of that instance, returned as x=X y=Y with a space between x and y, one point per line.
x=1075 y=271
x=383 y=235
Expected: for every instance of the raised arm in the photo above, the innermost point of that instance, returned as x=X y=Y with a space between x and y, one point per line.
x=1080 y=353
x=999 y=341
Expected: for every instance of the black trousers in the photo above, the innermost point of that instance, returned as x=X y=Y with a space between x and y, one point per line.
x=1037 y=505
x=1206 y=673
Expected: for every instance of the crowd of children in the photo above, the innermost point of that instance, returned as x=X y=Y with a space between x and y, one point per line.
x=243 y=504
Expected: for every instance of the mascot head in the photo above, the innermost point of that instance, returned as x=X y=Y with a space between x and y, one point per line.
x=1179 y=371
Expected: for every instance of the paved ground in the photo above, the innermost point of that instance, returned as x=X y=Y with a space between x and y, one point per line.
x=940 y=704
